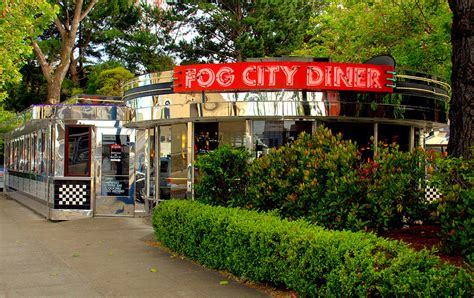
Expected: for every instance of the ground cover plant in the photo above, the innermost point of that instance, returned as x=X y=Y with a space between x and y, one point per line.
x=311 y=260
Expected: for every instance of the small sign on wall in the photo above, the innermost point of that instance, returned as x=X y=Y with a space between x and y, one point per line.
x=116 y=152
x=114 y=186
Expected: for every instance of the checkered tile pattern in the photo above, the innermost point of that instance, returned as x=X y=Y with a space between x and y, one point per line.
x=72 y=195
x=432 y=194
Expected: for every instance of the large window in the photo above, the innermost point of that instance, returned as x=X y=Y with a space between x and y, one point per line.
x=394 y=135
x=274 y=134
x=78 y=151
x=359 y=133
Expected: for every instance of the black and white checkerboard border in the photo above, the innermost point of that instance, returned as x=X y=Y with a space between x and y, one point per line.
x=72 y=195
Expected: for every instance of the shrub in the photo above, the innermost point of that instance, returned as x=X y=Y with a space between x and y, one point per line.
x=454 y=177
x=321 y=177
x=223 y=176
x=300 y=256
x=315 y=178
x=393 y=186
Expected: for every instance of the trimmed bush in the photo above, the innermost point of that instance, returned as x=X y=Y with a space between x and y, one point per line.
x=454 y=177
x=223 y=176
x=306 y=258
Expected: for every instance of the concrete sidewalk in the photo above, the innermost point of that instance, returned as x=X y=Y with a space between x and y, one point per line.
x=96 y=257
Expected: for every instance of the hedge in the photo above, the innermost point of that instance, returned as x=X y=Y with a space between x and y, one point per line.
x=313 y=261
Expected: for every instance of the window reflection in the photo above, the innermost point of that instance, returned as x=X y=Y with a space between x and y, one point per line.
x=274 y=134
x=173 y=161
x=78 y=151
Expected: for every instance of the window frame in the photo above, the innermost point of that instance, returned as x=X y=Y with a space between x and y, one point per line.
x=66 y=151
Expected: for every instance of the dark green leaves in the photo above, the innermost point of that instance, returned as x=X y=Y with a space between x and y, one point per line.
x=297 y=255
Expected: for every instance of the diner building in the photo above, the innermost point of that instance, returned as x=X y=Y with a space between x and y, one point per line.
x=172 y=117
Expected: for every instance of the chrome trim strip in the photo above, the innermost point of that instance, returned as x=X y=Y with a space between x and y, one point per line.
x=446 y=85
x=425 y=91
x=73 y=178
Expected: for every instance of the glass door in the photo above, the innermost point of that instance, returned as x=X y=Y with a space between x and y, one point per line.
x=145 y=173
x=173 y=160
x=114 y=196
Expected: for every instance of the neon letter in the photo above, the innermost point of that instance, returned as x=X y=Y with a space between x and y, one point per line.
x=210 y=79
x=310 y=81
x=272 y=74
x=328 y=77
x=261 y=75
x=373 y=78
x=190 y=76
x=245 y=76
x=346 y=77
x=290 y=73
x=225 y=76
x=360 y=77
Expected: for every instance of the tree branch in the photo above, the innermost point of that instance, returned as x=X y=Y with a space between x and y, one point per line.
x=430 y=28
x=61 y=29
x=77 y=17
x=42 y=61
x=88 y=9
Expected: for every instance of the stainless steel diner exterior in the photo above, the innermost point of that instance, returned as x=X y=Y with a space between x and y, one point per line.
x=142 y=146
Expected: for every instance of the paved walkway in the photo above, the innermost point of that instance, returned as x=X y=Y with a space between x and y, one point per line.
x=94 y=258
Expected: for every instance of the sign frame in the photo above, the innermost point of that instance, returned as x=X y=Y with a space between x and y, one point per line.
x=249 y=76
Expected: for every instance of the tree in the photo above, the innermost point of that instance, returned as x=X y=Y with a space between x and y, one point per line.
x=7 y=123
x=145 y=45
x=461 y=111
x=56 y=69
x=230 y=30
x=110 y=81
x=103 y=26
x=415 y=32
x=31 y=89
x=20 y=21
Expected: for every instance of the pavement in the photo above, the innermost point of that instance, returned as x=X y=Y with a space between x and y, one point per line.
x=97 y=257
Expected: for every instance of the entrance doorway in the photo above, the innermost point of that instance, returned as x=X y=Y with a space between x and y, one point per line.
x=173 y=161
x=113 y=182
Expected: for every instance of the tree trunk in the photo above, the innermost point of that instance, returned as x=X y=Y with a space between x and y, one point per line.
x=54 y=92
x=73 y=71
x=54 y=85
x=462 y=104
x=68 y=30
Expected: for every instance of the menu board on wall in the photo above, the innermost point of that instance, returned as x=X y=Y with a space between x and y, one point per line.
x=116 y=152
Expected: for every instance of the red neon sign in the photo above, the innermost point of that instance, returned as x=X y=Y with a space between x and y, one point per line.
x=283 y=75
